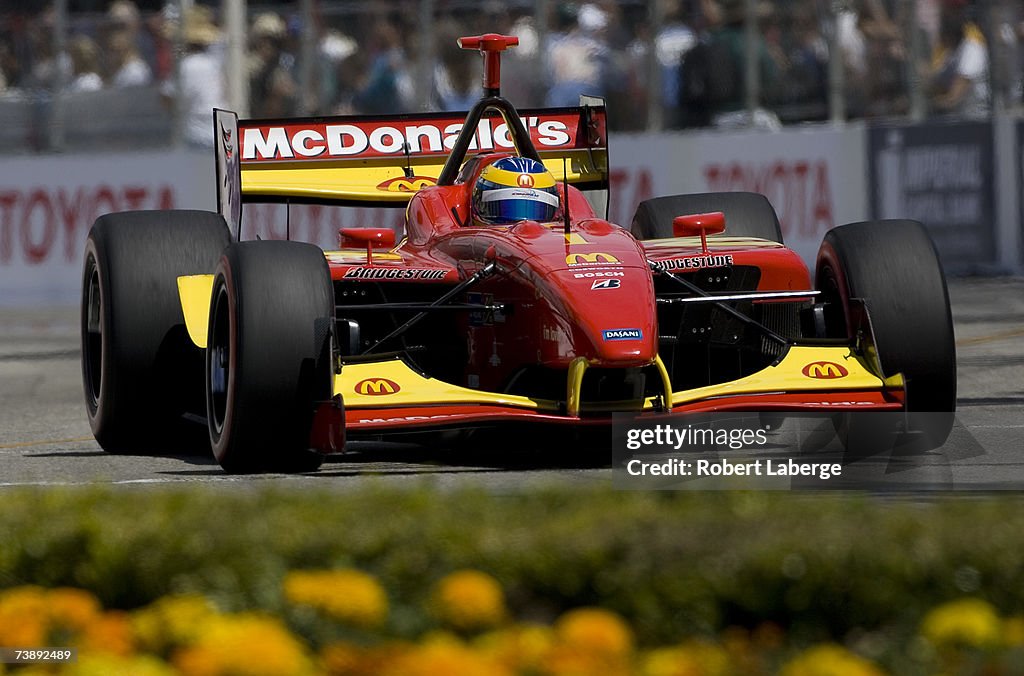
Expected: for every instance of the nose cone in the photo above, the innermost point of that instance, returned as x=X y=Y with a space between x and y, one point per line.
x=599 y=296
x=612 y=315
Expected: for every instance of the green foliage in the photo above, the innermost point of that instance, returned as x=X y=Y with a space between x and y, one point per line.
x=822 y=567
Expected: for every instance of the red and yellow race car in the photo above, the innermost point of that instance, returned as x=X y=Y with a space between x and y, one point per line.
x=510 y=301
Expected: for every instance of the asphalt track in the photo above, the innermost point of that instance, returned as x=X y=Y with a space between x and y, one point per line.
x=45 y=438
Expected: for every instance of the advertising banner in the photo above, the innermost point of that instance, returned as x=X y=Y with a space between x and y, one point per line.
x=48 y=204
x=942 y=175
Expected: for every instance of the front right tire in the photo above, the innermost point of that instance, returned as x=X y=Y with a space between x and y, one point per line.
x=892 y=267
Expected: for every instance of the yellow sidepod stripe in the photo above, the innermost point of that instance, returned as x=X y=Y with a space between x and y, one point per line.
x=194 y=292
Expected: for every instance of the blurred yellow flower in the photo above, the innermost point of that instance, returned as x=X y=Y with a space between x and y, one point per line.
x=33 y=616
x=171 y=621
x=347 y=659
x=444 y=654
x=520 y=647
x=109 y=633
x=595 y=629
x=970 y=622
x=590 y=641
x=246 y=644
x=349 y=596
x=469 y=600
x=829 y=660
x=105 y=665
x=71 y=609
x=341 y=659
x=23 y=615
x=1013 y=631
x=693 y=658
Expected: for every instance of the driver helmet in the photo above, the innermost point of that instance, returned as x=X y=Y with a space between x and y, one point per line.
x=515 y=189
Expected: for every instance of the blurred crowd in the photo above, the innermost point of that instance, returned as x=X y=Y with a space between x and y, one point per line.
x=661 y=63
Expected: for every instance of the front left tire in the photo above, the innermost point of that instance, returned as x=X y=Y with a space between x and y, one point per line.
x=269 y=355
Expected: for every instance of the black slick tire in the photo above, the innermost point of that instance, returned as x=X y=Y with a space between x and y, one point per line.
x=893 y=268
x=747 y=214
x=140 y=370
x=268 y=358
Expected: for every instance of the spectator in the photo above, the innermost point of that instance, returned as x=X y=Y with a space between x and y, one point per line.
x=731 y=32
x=123 y=14
x=710 y=71
x=456 y=78
x=85 y=61
x=126 y=68
x=202 y=82
x=615 y=36
x=520 y=82
x=852 y=39
x=887 y=56
x=161 y=26
x=959 y=80
x=673 y=39
x=333 y=49
x=1019 y=81
x=578 y=58
x=634 y=115
x=349 y=77
x=273 y=89
x=9 y=69
x=48 y=71
x=388 y=87
x=806 y=76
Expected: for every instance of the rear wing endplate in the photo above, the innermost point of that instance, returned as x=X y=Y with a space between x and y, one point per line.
x=229 y=173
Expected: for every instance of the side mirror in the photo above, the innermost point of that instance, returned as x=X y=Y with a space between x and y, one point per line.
x=698 y=224
x=371 y=238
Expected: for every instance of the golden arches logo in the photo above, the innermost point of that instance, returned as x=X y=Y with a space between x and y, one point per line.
x=407 y=183
x=376 y=387
x=589 y=258
x=525 y=181
x=825 y=370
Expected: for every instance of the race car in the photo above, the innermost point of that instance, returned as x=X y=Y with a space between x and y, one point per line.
x=511 y=302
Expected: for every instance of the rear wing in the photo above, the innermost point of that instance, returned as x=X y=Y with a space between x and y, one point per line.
x=383 y=160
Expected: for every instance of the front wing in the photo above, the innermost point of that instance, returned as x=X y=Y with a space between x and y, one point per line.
x=389 y=396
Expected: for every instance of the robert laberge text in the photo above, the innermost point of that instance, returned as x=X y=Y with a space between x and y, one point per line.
x=722 y=467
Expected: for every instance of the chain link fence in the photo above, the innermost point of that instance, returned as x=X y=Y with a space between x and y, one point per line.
x=106 y=75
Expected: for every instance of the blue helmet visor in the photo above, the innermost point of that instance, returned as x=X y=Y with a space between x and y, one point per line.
x=509 y=205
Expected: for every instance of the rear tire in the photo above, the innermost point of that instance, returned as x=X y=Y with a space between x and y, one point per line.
x=747 y=214
x=894 y=267
x=140 y=370
x=268 y=358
